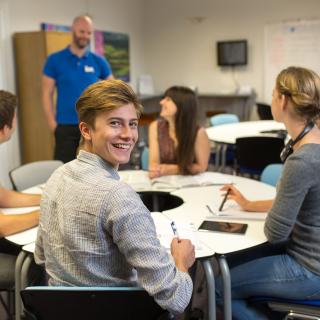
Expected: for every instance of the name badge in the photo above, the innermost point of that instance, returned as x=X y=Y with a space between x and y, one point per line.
x=88 y=69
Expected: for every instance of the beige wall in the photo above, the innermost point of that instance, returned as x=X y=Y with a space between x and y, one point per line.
x=181 y=50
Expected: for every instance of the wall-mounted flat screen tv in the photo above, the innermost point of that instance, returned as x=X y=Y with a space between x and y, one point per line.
x=232 y=53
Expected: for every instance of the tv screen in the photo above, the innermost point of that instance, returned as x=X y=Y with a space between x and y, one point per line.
x=232 y=53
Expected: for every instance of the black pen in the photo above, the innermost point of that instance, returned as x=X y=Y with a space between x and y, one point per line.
x=224 y=199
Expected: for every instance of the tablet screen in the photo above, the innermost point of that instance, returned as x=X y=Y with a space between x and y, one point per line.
x=223 y=226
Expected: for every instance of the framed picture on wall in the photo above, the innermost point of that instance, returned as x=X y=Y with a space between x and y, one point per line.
x=115 y=47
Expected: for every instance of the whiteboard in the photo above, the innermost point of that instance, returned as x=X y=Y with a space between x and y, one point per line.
x=291 y=43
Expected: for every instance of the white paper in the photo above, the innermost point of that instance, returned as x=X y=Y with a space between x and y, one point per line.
x=24 y=237
x=233 y=211
x=137 y=179
x=19 y=210
x=165 y=233
x=180 y=181
x=145 y=85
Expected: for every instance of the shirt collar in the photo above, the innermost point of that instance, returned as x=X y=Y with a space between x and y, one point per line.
x=97 y=161
x=85 y=55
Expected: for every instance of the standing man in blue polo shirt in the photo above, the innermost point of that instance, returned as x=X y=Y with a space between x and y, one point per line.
x=70 y=71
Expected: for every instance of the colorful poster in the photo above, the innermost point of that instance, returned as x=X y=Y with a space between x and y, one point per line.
x=54 y=27
x=115 y=47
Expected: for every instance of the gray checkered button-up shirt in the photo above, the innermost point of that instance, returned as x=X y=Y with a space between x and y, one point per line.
x=95 y=231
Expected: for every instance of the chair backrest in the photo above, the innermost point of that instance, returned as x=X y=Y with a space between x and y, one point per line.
x=145 y=158
x=255 y=153
x=33 y=173
x=83 y=303
x=223 y=118
x=271 y=173
x=264 y=111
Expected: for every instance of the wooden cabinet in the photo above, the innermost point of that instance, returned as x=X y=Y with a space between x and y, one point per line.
x=31 y=51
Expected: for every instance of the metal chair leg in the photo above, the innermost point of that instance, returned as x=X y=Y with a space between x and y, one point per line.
x=18 y=267
x=225 y=273
x=211 y=289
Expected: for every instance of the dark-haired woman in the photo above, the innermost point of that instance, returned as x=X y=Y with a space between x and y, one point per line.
x=177 y=144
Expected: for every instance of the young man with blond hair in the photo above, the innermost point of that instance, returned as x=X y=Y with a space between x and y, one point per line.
x=94 y=229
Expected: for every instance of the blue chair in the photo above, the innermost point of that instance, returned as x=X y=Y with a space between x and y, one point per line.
x=145 y=158
x=223 y=118
x=83 y=303
x=271 y=173
x=223 y=151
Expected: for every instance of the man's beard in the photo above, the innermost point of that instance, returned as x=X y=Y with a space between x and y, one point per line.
x=80 y=43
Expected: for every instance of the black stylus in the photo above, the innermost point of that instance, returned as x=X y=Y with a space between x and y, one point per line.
x=224 y=199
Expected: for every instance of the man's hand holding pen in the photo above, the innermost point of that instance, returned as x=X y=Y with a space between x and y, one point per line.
x=183 y=253
x=182 y=250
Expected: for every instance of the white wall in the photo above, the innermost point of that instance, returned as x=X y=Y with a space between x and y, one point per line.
x=180 y=50
x=21 y=15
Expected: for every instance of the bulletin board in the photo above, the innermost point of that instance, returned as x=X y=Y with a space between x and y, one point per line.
x=291 y=43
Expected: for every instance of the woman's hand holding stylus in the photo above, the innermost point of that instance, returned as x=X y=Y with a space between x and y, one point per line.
x=236 y=195
x=243 y=202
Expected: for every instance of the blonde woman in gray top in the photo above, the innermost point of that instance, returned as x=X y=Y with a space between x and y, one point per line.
x=94 y=230
x=294 y=215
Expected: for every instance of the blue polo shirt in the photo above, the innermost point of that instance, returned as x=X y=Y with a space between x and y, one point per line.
x=72 y=75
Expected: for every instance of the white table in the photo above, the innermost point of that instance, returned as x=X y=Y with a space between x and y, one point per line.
x=227 y=134
x=28 y=236
x=194 y=211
